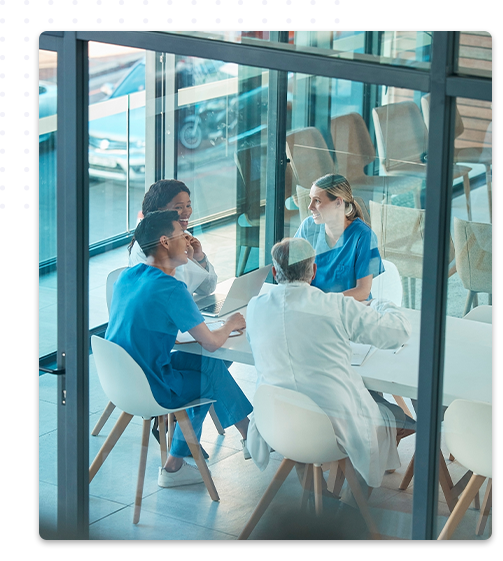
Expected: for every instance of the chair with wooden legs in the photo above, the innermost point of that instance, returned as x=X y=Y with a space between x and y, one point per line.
x=294 y=426
x=126 y=385
x=111 y=278
x=473 y=243
x=451 y=491
x=479 y=154
x=468 y=435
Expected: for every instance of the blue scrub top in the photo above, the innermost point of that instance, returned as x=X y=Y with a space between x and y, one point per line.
x=148 y=309
x=354 y=256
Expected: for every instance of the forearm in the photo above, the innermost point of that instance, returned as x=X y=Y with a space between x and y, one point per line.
x=218 y=338
x=359 y=293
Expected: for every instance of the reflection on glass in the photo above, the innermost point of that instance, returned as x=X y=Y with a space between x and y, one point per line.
x=475 y=53
x=468 y=338
x=402 y=48
x=47 y=202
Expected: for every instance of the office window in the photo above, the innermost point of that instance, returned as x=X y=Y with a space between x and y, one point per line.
x=475 y=53
x=400 y=48
x=47 y=201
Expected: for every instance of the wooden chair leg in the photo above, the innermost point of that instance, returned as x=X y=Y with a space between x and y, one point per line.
x=361 y=501
x=444 y=478
x=461 y=506
x=195 y=449
x=119 y=427
x=284 y=469
x=466 y=187
x=335 y=479
x=306 y=485
x=403 y=406
x=103 y=419
x=216 y=420
x=409 y=473
x=171 y=428
x=469 y=302
x=141 y=470
x=162 y=439
x=318 y=497
x=487 y=503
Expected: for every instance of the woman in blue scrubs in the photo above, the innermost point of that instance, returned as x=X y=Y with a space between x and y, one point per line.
x=347 y=256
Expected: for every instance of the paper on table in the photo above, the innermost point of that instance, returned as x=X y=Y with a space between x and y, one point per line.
x=187 y=337
x=360 y=353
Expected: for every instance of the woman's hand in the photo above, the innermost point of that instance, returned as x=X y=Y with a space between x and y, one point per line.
x=198 y=249
x=190 y=249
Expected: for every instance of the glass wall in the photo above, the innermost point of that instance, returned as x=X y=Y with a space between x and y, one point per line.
x=47 y=291
x=401 y=48
x=475 y=53
x=47 y=201
x=158 y=115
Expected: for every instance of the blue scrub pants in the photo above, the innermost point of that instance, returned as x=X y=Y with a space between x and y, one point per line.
x=206 y=377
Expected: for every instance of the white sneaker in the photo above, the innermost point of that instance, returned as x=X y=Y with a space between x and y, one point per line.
x=246 y=453
x=186 y=475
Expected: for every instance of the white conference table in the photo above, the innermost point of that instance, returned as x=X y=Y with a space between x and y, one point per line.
x=467 y=369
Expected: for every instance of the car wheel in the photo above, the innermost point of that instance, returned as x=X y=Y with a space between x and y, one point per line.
x=191 y=135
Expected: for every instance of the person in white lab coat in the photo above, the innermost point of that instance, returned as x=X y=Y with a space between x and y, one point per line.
x=300 y=339
x=170 y=194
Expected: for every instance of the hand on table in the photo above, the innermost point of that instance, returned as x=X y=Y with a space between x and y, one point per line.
x=236 y=321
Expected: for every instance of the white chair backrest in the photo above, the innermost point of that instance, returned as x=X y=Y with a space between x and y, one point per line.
x=293 y=425
x=388 y=285
x=473 y=243
x=112 y=277
x=481 y=313
x=122 y=379
x=468 y=434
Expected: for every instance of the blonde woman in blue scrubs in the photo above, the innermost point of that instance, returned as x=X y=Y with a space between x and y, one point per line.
x=347 y=256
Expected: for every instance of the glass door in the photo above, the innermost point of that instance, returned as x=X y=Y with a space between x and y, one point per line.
x=48 y=292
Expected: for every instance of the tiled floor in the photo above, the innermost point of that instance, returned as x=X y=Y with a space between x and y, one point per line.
x=188 y=513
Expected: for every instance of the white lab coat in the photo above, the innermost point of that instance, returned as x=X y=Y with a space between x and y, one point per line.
x=300 y=337
x=197 y=279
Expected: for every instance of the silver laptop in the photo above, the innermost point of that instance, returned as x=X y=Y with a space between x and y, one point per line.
x=243 y=289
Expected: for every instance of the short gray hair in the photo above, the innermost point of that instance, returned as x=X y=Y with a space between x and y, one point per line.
x=293 y=260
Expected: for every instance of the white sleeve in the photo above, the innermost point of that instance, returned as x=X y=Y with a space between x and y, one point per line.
x=209 y=283
x=381 y=324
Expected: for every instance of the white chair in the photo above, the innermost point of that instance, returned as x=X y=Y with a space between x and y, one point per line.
x=481 y=154
x=468 y=435
x=111 y=278
x=402 y=142
x=388 y=285
x=294 y=426
x=473 y=243
x=481 y=313
x=126 y=385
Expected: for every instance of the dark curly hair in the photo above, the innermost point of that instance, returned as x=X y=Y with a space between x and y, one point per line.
x=160 y=194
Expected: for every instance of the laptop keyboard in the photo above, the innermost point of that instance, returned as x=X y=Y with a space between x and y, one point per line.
x=214 y=308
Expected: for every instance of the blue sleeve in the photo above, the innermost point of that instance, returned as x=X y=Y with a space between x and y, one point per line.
x=183 y=310
x=367 y=258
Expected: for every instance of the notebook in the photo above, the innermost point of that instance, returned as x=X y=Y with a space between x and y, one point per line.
x=243 y=289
